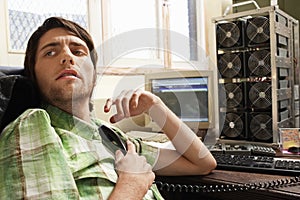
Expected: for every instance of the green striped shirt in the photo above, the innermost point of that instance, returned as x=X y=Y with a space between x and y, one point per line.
x=49 y=154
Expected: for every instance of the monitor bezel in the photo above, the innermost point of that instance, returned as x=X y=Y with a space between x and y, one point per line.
x=195 y=126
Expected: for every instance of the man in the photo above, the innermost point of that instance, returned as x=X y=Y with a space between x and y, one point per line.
x=57 y=152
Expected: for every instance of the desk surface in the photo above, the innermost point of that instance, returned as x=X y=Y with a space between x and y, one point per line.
x=288 y=192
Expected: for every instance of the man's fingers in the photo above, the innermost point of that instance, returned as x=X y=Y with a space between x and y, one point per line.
x=127 y=101
x=135 y=98
x=108 y=105
x=130 y=147
x=126 y=104
x=119 y=155
x=115 y=118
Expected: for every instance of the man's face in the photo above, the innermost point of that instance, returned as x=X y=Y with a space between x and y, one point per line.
x=64 y=70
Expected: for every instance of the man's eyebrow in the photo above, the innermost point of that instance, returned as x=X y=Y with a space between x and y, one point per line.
x=51 y=44
x=79 y=44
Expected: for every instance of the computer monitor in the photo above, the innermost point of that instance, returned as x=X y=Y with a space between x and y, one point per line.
x=189 y=94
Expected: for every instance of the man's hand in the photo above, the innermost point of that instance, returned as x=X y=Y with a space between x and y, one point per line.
x=131 y=103
x=135 y=175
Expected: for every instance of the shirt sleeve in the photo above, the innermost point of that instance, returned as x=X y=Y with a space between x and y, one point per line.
x=32 y=162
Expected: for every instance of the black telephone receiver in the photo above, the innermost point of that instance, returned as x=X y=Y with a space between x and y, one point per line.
x=111 y=139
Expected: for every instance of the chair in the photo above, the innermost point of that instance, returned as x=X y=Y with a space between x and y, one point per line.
x=17 y=93
x=4 y=70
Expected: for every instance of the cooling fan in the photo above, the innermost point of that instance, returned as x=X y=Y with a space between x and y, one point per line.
x=258 y=30
x=234 y=95
x=260 y=95
x=259 y=63
x=230 y=65
x=260 y=126
x=233 y=125
x=229 y=34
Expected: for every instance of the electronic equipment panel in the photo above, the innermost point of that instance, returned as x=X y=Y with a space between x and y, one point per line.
x=261 y=92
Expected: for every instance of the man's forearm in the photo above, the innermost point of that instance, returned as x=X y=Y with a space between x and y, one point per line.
x=129 y=188
x=182 y=137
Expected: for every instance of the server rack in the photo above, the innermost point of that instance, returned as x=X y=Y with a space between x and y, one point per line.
x=257 y=60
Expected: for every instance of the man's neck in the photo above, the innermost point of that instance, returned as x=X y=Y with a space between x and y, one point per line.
x=80 y=110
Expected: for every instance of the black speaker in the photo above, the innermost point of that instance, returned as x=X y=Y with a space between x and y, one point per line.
x=231 y=65
x=259 y=95
x=260 y=126
x=258 y=63
x=258 y=31
x=235 y=96
x=234 y=126
x=230 y=34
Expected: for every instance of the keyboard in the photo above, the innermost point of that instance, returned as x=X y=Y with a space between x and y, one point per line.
x=258 y=164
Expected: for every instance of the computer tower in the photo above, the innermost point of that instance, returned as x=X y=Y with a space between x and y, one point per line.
x=258 y=72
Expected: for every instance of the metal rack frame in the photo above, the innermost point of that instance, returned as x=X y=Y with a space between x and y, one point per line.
x=282 y=24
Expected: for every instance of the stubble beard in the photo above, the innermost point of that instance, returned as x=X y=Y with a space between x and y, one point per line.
x=68 y=98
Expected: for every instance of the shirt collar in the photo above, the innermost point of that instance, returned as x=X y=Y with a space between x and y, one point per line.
x=63 y=120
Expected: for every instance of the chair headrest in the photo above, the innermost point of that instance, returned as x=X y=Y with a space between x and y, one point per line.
x=5 y=70
x=17 y=93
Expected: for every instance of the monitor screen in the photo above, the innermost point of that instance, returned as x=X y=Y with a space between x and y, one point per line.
x=186 y=93
x=186 y=97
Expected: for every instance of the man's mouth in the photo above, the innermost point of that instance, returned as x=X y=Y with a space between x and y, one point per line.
x=68 y=73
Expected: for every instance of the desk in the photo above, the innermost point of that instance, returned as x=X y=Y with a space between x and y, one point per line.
x=231 y=177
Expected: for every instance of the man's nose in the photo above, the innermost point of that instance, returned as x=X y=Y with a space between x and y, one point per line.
x=67 y=58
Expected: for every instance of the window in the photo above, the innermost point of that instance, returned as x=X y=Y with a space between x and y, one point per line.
x=129 y=33
x=159 y=33
x=24 y=16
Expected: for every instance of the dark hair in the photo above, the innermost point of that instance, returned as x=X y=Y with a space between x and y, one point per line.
x=51 y=23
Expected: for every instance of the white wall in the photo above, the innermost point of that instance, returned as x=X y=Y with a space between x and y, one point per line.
x=111 y=86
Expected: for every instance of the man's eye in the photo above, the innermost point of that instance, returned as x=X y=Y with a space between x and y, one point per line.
x=78 y=53
x=50 y=53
